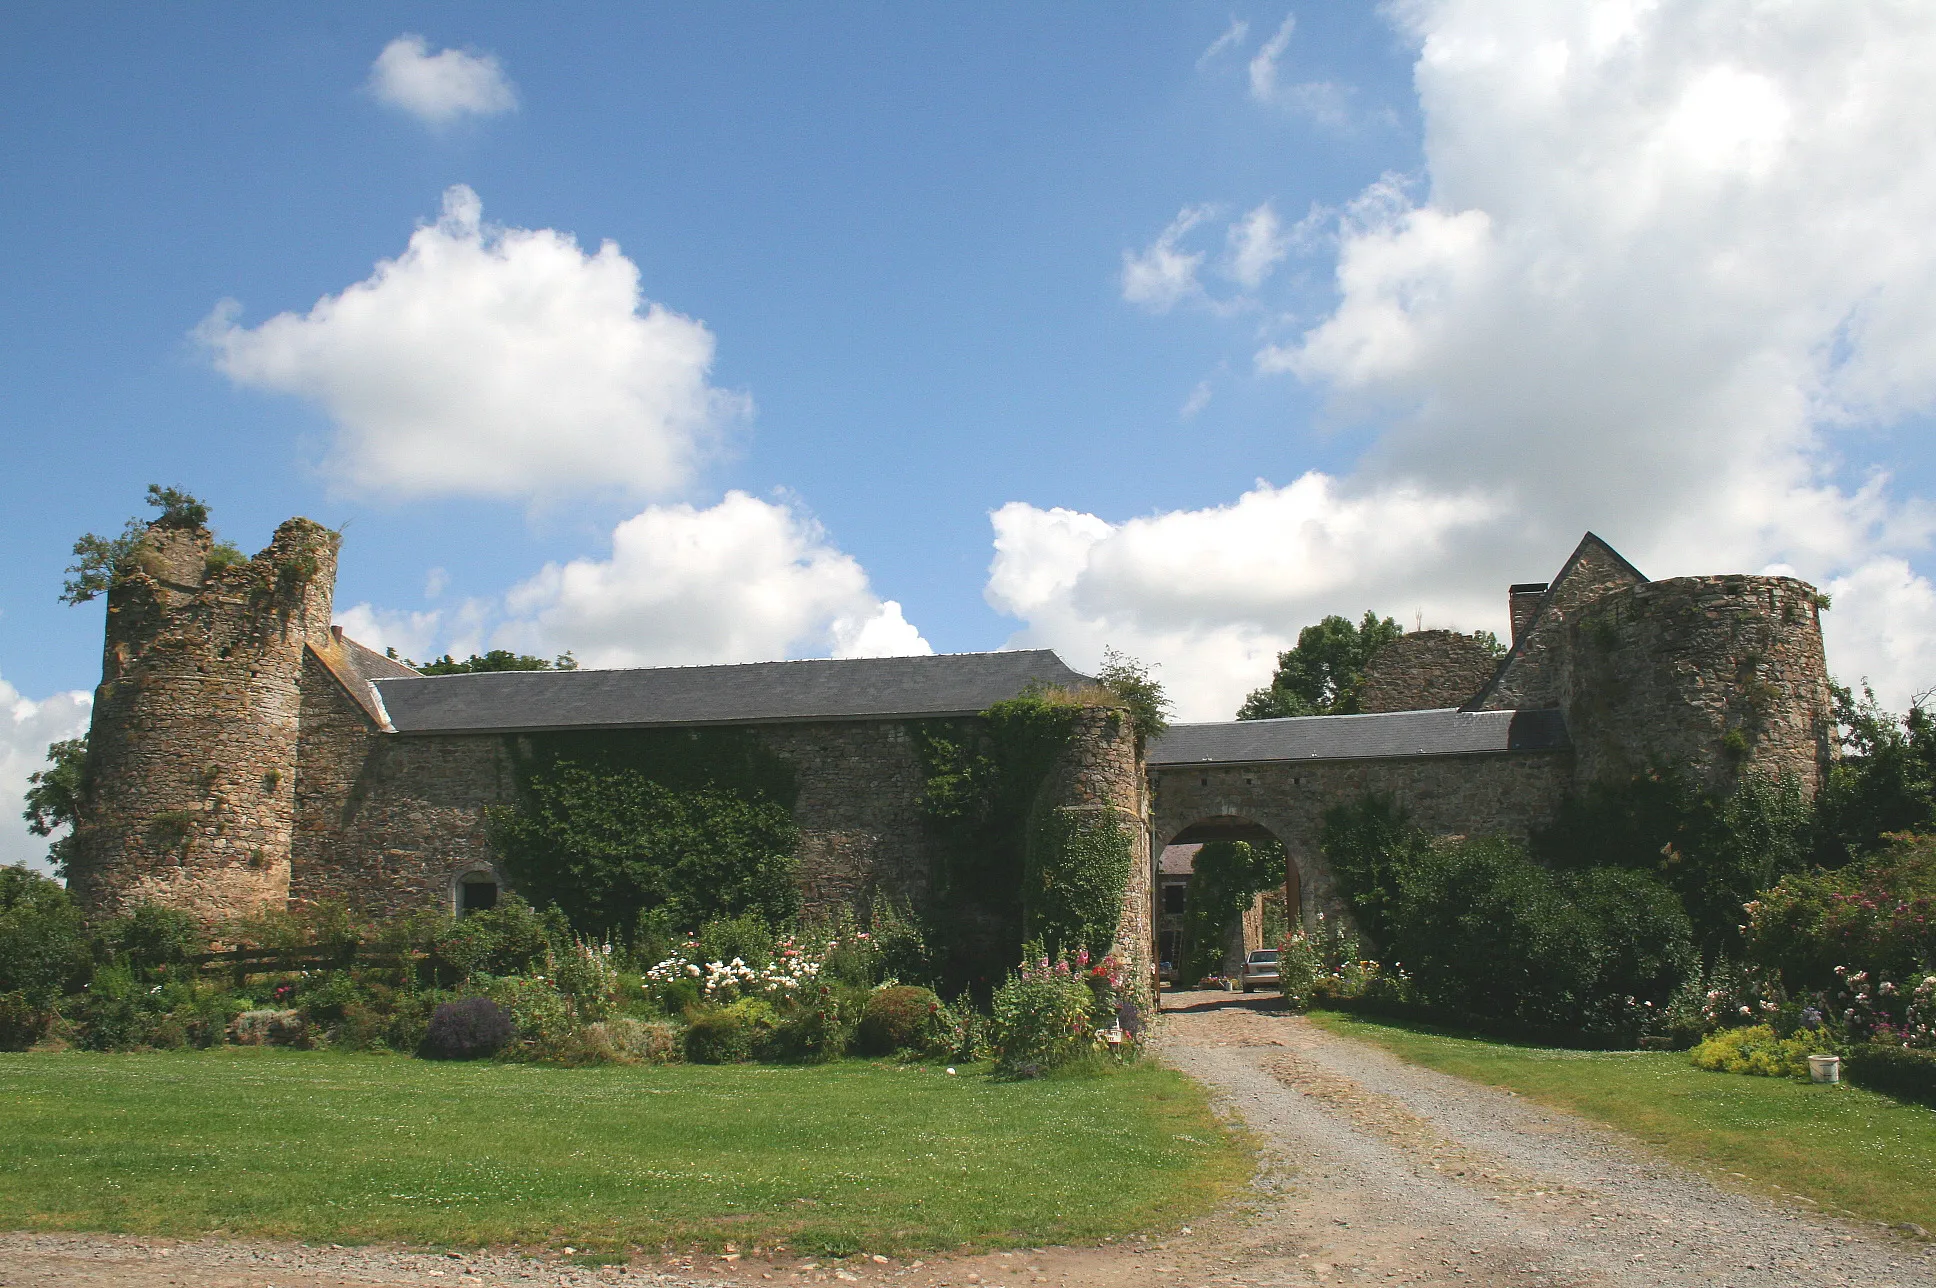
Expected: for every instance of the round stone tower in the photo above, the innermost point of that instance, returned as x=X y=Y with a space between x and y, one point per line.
x=192 y=748
x=1711 y=677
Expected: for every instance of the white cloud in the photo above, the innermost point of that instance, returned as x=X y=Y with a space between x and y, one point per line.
x=412 y=635
x=1161 y=275
x=1263 y=64
x=1233 y=36
x=1256 y=245
x=439 y=88
x=26 y=729
x=1660 y=258
x=1199 y=399
x=1213 y=595
x=745 y=580
x=489 y=361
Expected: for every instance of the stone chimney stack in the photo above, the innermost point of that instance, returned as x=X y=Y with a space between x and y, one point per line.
x=1522 y=601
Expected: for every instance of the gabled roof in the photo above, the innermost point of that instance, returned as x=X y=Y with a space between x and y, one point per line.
x=1530 y=644
x=357 y=668
x=1447 y=731
x=949 y=684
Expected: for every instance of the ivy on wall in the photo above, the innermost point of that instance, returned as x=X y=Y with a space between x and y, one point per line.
x=683 y=825
x=1013 y=865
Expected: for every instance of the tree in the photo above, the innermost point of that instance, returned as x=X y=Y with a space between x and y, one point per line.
x=1323 y=674
x=1149 y=707
x=498 y=659
x=99 y=560
x=54 y=797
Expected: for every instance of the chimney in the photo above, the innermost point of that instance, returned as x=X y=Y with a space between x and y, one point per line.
x=1523 y=601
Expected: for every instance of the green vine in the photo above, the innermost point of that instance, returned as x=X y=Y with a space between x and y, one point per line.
x=1077 y=873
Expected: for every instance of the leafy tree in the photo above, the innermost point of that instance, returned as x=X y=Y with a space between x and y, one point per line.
x=99 y=560
x=54 y=797
x=498 y=659
x=1149 y=707
x=1885 y=781
x=43 y=946
x=1323 y=674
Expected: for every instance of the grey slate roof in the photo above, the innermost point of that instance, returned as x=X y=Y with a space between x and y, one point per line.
x=949 y=684
x=1446 y=732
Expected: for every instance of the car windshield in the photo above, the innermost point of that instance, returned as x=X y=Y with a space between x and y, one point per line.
x=1265 y=955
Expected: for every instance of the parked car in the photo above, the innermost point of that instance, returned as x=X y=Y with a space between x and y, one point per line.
x=1259 y=968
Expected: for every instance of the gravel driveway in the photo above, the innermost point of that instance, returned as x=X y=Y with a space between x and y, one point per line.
x=1377 y=1172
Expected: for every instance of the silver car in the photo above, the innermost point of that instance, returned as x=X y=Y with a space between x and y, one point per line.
x=1259 y=968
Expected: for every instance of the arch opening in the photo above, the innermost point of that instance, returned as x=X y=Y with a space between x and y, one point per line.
x=474 y=890
x=1225 y=886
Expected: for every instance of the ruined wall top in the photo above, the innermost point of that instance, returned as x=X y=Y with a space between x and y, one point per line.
x=1529 y=675
x=1426 y=669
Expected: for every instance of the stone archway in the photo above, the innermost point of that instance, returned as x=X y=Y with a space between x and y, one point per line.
x=1173 y=868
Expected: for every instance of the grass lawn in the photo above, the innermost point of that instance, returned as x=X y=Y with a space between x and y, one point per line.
x=1854 y=1152
x=831 y=1159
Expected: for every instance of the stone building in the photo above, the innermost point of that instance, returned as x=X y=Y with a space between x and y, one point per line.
x=245 y=753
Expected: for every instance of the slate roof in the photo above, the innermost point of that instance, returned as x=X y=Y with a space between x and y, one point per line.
x=1446 y=732
x=949 y=684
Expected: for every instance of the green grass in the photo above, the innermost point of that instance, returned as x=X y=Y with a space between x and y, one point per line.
x=1854 y=1152
x=831 y=1159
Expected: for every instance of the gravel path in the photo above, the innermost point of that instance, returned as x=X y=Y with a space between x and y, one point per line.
x=1400 y=1174
x=1377 y=1172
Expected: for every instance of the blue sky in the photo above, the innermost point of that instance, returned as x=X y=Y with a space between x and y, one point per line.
x=1167 y=328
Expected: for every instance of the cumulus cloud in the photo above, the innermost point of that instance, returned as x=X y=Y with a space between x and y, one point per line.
x=26 y=729
x=1214 y=594
x=412 y=635
x=487 y=361
x=440 y=88
x=745 y=580
x=1660 y=259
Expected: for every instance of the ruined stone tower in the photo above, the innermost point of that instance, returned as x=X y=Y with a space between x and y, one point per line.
x=193 y=743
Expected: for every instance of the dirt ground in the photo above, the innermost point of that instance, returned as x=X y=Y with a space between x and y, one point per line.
x=1376 y=1172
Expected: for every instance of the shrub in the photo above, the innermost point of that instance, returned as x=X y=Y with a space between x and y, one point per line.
x=1756 y=1050
x=899 y=1018
x=509 y=939
x=584 y=973
x=1878 y=915
x=1040 y=1018
x=324 y=999
x=1893 y=1070
x=150 y=938
x=468 y=1029
x=43 y=947
x=21 y=1022
x=268 y=1028
x=813 y=1031
x=729 y=1034
x=1297 y=968
x=541 y=1013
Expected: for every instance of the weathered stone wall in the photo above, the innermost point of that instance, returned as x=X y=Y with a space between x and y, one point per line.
x=388 y=823
x=1426 y=669
x=1710 y=676
x=1530 y=676
x=1102 y=772
x=193 y=741
x=1509 y=793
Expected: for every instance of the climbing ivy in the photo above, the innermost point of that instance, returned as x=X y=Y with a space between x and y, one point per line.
x=683 y=825
x=1077 y=873
x=1011 y=866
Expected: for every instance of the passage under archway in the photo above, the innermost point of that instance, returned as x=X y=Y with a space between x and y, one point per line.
x=1225 y=886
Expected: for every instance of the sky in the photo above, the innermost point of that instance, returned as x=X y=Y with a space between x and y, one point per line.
x=749 y=332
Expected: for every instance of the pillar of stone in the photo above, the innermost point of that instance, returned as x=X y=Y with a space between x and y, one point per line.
x=1100 y=775
x=192 y=748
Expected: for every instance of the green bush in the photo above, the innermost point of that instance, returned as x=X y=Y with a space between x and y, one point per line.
x=1041 y=1018
x=326 y=997
x=1877 y=915
x=509 y=939
x=1757 y=1050
x=584 y=973
x=1894 y=1070
x=813 y=1030
x=543 y=1016
x=43 y=945
x=151 y=939
x=899 y=1018
x=21 y=1022
x=729 y=1034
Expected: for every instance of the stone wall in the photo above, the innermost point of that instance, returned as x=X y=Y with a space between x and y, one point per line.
x=1102 y=772
x=193 y=740
x=1509 y=793
x=1711 y=676
x=1426 y=669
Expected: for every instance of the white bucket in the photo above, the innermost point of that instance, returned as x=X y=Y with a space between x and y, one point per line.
x=1825 y=1068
